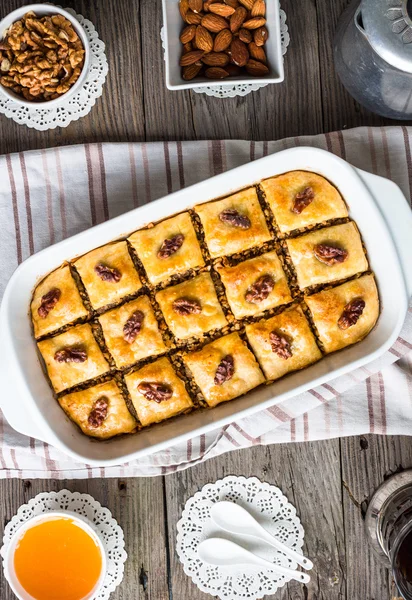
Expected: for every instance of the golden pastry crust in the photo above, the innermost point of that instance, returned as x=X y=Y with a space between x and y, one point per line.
x=222 y=238
x=281 y=192
x=147 y=243
x=64 y=375
x=292 y=324
x=238 y=280
x=204 y=363
x=150 y=411
x=311 y=271
x=79 y=405
x=115 y=256
x=201 y=290
x=327 y=308
x=67 y=309
x=148 y=342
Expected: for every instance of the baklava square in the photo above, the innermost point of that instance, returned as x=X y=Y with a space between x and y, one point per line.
x=168 y=248
x=283 y=343
x=327 y=255
x=233 y=224
x=108 y=274
x=100 y=411
x=56 y=302
x=299 y=199
x=191 y=308
x=131 y=332
x=224 y=369
x=255 y=285
x=157 y=392
x=73 y=357
x=345 y=314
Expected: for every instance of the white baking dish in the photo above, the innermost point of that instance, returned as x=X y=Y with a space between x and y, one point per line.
x=173 y=26
x=384 y=219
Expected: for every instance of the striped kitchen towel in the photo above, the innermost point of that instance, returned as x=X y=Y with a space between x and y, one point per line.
x=48 y=195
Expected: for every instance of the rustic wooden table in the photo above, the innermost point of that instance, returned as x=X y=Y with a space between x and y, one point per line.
x=329 y=482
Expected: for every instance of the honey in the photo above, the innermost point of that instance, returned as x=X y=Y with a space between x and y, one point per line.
x=58 y=559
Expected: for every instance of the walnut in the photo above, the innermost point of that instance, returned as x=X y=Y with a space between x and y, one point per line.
x=71 y=355
x=170 y=246
x=351 y=313
x=48 y=302
x=225 y=370
x=232 y=217
x=280 y=345
x=260 y=290
x=185 y=306
x=302 y=200
x=152 y=390
x=44 y=56
x=330 y=255
x=108 y=273
x=133 y=326
x=99 y=412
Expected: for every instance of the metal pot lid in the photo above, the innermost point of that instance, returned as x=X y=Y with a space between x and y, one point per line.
x=388 y=26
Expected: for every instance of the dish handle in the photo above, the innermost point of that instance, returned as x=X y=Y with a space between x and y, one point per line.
x=398 y=216
x=13 y=407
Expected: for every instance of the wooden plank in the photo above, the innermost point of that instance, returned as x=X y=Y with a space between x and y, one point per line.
x=309 y=475
x=366 y=462
x=137 y=505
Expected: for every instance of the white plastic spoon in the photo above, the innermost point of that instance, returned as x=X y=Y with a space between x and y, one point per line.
x=235 y=519
x=221 y=552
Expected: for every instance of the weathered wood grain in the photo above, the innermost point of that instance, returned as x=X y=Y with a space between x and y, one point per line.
x=295 y=468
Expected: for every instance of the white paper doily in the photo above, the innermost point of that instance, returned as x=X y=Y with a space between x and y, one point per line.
x=110 y=532
x=230 y=91
x=78 y=105
x=269 y=506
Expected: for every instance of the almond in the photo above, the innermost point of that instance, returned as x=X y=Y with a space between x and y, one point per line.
x=245 y=36
x=257 y=52
x=221 y=9
x=191 y=57
x=254 y=23
x=256 y=68
x=233 y=3
x=183 y=7
x=247 y=3
x=187 y=48
x=260 y=36
x=204 y=40
x=222 y=40
x=239 y=52
x=206 y=5
x=216 y=73
x=215 y=59
x=196 y=5
x=258 y=9
x=214 y=23
x=188 y=34
x=191 y=71
x=233 y=70
x=193 y=18
x=237 y=19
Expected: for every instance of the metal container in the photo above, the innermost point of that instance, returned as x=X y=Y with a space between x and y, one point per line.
x=373 y=55
x=388 y=525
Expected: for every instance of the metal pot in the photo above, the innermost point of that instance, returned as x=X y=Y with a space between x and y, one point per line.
x=373 y=55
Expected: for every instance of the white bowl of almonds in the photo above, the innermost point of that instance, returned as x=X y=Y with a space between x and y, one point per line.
x=224 y=42
x=44 y=55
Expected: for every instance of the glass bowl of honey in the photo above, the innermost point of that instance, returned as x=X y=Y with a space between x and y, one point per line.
x=56 y=555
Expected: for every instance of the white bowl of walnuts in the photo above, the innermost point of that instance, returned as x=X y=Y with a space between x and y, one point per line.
x=224 y=42
x=44 y=55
